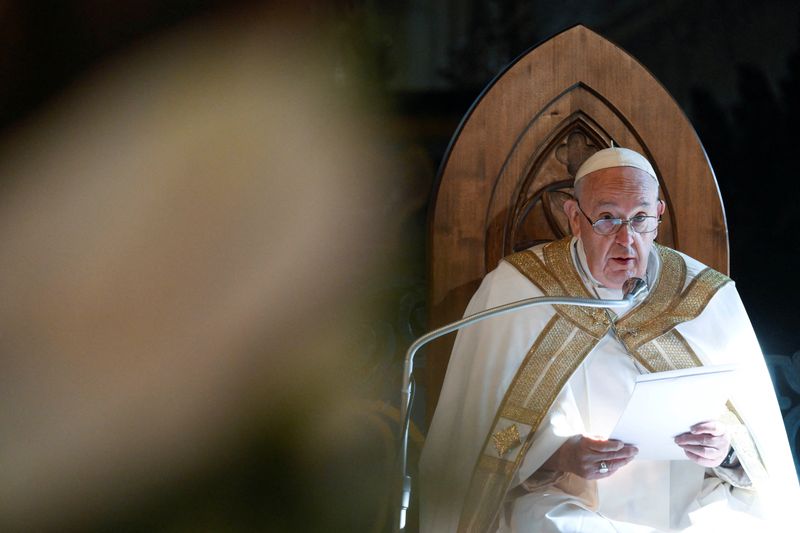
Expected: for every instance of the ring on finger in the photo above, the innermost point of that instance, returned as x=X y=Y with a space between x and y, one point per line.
x=603 y=468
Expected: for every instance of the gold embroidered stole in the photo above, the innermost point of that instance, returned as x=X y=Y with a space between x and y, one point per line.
x=647 y=333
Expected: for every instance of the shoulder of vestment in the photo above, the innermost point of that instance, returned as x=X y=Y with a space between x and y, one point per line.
x=694 y=268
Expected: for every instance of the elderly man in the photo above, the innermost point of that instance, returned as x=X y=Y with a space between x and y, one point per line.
x=518 y=441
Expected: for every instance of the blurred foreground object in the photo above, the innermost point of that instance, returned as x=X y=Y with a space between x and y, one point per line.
x=182 y=237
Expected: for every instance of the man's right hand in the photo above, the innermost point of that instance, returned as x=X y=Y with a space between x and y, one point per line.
x=582 y=456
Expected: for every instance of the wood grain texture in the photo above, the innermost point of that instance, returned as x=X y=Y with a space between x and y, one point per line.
x=511 y=164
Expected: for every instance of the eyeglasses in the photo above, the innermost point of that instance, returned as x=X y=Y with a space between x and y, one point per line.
x=609 y=226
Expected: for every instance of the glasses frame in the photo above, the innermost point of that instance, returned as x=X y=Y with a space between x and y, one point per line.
x=622 y=221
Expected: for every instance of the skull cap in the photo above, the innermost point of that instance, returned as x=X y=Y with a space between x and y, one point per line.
x=615 y=157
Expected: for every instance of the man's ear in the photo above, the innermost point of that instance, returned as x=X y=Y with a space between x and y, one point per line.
x=661 y=207
x=571 y=210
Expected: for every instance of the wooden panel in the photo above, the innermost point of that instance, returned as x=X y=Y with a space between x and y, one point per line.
x=511 y=165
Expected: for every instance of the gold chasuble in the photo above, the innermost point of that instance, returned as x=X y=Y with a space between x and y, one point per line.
x=647 y=332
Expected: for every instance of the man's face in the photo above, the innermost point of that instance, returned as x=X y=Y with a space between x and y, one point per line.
x=621 y=192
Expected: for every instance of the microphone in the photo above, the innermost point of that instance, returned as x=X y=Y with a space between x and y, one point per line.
x=631 y=289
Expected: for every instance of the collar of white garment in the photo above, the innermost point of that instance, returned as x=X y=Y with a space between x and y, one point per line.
x=579 y=257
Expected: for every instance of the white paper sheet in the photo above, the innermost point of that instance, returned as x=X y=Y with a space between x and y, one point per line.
x=665 y=404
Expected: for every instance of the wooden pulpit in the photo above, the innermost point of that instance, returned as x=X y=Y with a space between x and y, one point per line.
x=512 y=161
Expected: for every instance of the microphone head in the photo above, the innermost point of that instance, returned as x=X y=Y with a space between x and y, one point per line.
x=633 y=287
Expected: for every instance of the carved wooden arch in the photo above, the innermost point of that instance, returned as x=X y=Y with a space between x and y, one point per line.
x=511 y=164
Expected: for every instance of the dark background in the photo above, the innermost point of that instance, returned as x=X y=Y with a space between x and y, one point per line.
x=734 y=67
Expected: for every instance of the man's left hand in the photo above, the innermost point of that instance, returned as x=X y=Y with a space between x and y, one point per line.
x=706 y=443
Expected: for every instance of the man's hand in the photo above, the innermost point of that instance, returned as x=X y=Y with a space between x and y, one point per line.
x=706 y=443
x=582 y=456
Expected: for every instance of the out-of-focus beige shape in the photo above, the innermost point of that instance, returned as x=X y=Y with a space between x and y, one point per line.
x=179 y=235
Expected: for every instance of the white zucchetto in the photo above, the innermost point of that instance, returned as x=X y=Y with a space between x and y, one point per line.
x=615 y=157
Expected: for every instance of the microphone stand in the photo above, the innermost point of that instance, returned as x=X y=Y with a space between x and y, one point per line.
x=632 y=288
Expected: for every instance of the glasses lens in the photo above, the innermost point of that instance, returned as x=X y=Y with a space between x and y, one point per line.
x=606 y=226
x=644 y=224
x=639 y=224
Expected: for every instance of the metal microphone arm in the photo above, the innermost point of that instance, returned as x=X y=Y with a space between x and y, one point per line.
x=631 y=289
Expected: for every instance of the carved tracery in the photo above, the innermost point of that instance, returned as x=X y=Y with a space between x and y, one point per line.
x=539 y=214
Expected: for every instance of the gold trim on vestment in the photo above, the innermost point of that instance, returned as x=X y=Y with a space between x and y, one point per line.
x=551 y=281
x=642 y=327
x=506 y=439
x=558 y=258
x=647 y=332
x=746 y=450
x=552 y=359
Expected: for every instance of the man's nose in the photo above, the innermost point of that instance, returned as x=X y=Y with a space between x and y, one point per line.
x=625 y=233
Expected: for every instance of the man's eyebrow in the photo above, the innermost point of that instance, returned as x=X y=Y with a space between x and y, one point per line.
x=643 y=202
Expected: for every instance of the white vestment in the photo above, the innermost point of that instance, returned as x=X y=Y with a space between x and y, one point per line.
x=642 y=496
